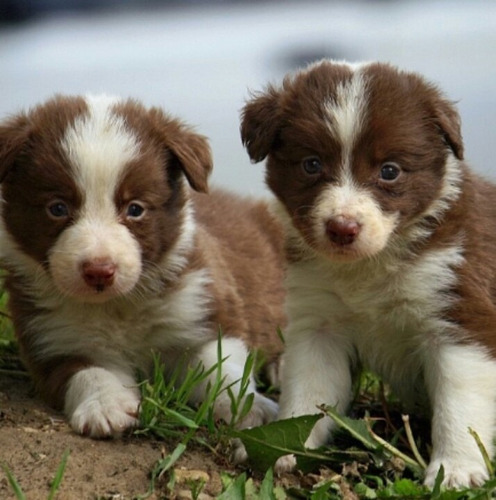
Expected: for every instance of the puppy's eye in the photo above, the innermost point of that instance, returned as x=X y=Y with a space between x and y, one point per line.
x=390 y=171
x=312 y=165
x=58 y=210
x=135 y=210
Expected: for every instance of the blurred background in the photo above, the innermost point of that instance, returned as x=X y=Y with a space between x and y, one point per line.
x=199 y=59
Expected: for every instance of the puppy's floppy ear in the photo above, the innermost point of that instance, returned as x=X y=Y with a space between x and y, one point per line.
x=448 y=120
x=190 y=150
x=260 y=123
x=194 y=157
x=14 y=133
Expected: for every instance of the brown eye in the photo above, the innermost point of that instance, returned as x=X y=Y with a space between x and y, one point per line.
x=58 y=210
x=135 y=210
x=312 y=165
x=389 y=171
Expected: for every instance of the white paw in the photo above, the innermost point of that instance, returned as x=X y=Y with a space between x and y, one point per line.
x=286 y=463
x=457 y=474
x=99 y=404
x=238 y=454
x=263 y=411
x=111 y=416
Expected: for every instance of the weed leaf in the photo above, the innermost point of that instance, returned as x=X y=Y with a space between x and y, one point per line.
x=267 y=486
x=267 y=443
x=235 y=490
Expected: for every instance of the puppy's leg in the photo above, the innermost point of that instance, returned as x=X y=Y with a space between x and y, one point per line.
x=101 y=402
x=316 y=370
x=462 y=385
x=234 y=353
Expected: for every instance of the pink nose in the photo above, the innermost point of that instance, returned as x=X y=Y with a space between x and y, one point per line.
x=342 y=231
x=98 y=273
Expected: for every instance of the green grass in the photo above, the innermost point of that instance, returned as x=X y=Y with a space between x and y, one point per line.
x=7 y=342
x=165 y=412
x=376 y=453
x=54 y=485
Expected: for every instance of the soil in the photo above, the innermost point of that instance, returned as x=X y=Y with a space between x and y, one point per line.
x=33 y=438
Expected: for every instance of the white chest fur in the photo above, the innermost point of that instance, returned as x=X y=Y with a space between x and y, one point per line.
x=126 y=330
x=389 y=311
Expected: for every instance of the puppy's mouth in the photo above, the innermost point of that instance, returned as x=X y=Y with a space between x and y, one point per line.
x=347 y=254
x=95 y=294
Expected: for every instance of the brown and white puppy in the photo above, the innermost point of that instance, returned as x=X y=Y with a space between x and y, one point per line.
x=110 y=256
x=391 y=241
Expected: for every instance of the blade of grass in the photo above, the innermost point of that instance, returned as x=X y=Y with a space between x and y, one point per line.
x=411 y=441
x=14 y=484
x=166 y=463
x=178 y=417
x=59 y=474
x=484 y=453
x=415 y=467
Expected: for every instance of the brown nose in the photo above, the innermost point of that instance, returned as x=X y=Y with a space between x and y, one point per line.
x=342 y=231
x=98 y=273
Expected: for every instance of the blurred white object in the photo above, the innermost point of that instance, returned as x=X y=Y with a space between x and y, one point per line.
x=199 y=62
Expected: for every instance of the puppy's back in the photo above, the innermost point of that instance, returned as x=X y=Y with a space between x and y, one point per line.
x=241 y=235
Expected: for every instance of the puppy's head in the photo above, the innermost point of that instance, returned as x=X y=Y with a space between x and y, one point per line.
x=93 y=190
x=356 y=153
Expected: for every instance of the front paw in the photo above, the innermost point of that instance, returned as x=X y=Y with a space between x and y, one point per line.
x=100 y=403
x=109 y=417
x=457 y=473
x=262 y=411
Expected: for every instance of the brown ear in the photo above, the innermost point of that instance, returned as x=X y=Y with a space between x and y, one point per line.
x=14 y=133
x=448 y=121
x=189 y=149
x=260 y=123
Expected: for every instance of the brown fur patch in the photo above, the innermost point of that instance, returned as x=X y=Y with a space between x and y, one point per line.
x=242 y=245
x=184 y=148
x=35 y=172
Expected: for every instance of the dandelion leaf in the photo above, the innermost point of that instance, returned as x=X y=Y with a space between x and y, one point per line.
x=267 y=443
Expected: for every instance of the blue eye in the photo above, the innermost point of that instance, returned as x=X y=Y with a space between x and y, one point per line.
x=312 y=165
x=390 y=171
x=135 y=210
x=58 y=210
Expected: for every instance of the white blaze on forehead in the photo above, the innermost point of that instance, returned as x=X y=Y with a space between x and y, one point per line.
x=99 y=145
x=345 y=114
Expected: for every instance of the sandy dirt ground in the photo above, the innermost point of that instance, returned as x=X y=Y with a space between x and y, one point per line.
x=33 y=439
